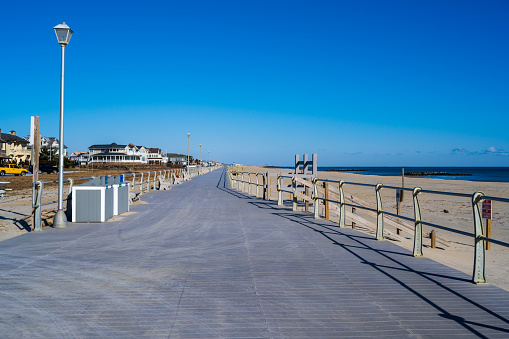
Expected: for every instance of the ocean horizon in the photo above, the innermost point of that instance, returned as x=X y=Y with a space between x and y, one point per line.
x=486 y=174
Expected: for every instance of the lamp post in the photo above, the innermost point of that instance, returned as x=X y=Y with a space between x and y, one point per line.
x=209 y=158
x=63 y=33
x=200 y=155
x=188 y=135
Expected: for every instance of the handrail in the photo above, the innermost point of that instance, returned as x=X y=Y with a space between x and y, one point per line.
x=476 y=198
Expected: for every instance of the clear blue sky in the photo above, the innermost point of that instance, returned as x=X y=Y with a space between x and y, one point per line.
x=361 y=83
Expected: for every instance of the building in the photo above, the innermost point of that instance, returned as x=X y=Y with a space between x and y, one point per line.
x=155 y=156
x=79 y=156
x=118 y=153
x=13 y=148
x=53 y=145
x=176 y=159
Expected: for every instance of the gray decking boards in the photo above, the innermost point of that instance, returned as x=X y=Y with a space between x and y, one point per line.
x=204 y=261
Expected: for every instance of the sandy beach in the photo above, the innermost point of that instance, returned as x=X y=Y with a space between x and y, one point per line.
x=452 y=249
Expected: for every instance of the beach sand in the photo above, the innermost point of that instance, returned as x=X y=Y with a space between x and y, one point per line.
x=452 y=249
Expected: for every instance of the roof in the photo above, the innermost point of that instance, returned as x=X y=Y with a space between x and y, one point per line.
x=12 y=138
x=116 y=153
x=112 y=145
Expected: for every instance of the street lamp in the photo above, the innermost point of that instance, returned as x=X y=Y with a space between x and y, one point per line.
x=63 y=33
x=200 y=154
x=188 y=135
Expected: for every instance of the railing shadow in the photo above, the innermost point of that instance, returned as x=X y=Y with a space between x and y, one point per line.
x=362 y=244
x=21 y=224
x=221 y=184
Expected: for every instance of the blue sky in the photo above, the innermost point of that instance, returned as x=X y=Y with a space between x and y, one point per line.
x=361 y=83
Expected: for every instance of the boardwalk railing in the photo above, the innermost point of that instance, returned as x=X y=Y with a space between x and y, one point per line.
x=310 y=191
x=138 y=182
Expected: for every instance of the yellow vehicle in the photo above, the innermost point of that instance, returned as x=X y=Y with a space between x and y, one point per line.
x=12 y=169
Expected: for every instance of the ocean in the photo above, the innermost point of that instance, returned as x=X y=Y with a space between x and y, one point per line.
x=490 y=174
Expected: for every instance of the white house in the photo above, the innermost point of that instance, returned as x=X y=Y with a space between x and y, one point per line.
x=118 y=153
x=79 y=156
x=52 y=144
x=155 y=155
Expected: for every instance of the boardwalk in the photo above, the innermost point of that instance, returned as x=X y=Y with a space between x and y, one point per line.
x=205 y=261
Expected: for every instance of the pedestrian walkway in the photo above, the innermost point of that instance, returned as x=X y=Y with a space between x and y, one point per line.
x=205 y=261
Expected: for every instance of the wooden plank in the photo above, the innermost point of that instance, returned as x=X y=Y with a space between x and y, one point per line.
x=361 y=221
x=304 y=182
x=406 y=226
x=303 y=197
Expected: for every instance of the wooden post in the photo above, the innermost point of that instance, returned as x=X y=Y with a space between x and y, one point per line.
x=488 y=233
x=326 y=186
x=433 y=236
x=35 y=161
x=353 y=222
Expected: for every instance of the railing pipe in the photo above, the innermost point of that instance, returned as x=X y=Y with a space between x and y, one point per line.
x=294 y=189
x=279 y=191
x=316 y=200
x=342 y=213
x=38 y=207
x=479 y=276
x=257 y=186
x=418 y=223
x=379 y=213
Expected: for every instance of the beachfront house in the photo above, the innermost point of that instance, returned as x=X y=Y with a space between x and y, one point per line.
x=81 y=157
x=176 y=159
x=53 y=145
x=118 y=153
x=13 y=148
x=155 y=156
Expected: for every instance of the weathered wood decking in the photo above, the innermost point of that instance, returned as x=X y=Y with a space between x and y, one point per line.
x=204 y=261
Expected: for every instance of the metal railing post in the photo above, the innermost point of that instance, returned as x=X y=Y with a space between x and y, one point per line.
x=294 y=189
x=316 y=198
x=268 y=186
x=68 y=210
x=257 y=186
x=326 y=196
x=141 y=183
x=155 y=181
x=38 y=209
x=479 y=276
x=279 y=191
x=418 y=225
x=249 y=182
x=264 y=187
x=379 y=214
x=342 y=213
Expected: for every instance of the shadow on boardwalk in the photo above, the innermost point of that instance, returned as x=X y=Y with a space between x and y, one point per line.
x=370 y=253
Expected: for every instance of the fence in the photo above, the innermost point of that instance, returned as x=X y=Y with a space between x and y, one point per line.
x=322 y=195
x=139 y=182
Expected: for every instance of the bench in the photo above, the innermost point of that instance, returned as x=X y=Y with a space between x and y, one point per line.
x=134 y=196
x=163 y=184
x=176 y=180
